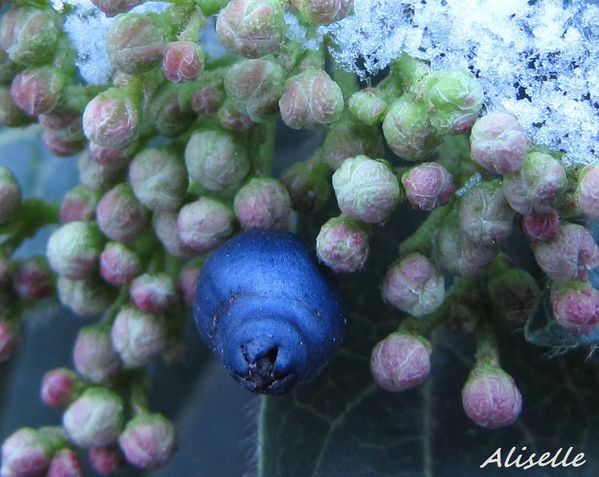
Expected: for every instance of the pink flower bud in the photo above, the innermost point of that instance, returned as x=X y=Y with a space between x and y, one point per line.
x=74 y=249
x=112 y=157
x=428 y=186
x=311 y=99
x=59 y=387
x=65 y=463
x=93 y=354
x=63 y=132
x=401 y=361
x=263 y=203
x=490 y=397
x=366 y=189
x=323 y=12
x=118 y=264
x=95 y=176
x=183 y=61
x=138 y=336
x=120 y=215
x=569 y=254
x=165 y=227
x=498 y=143
x=188 y=281
x=95 y=419
x=79 y=205
x=251 y=28
x=345 y=139
x=514 y=294
x=414 y=286
x=234 y=120
x=148 y=441
x=215 y=160
x=26 y=453
x=587 y=191
x=206 y=101
x=38 y=90
x=575 y=306
x=9 y=338
x=541 y=227
x=60 y=146
x=10 y=195
x=32 y=279
x=84 y=297
x=10 y=115
x=112 y=119
x=158 y=178
x=308 y=187
x=153 y=293
x=204 y=224
x=114 y=7
x=105 y=460
x=135 y=43
x=366 y=106
x=170 y=110
x=485 y=216
x=537 y=186
x=342 y=244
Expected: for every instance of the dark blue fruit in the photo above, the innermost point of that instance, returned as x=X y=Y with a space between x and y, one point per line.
x=267 y=311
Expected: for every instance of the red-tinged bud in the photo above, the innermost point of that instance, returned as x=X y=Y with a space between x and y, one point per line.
x=263 y=203
x=112 y=118
x=95 y=419
x=498 y=143
x=165 y=226
x=537 y=186
x=345 y=139
x=254 y=87
x=428 y=186
x=514 y=294
x=206 y=101
x=84 y=297
x=28 y=35
x=153 y=293
x=38 y=90
x=342 y=244
x=135 y=43
x=79 y=205
x=204 y=224
x=215 y=160
x=414 y=285
x=366 y=189
x=323 y=12
x=587 y=191
x=311 y=99
x=61 y=146
x=569 y=255
x=93 y=354
x=188 y=281
x=251 y=28
x=401 y=361
x=118 y=264
x=112 y=157
x=32 y=279
x=366 y=106
x=10 y=115
x=485 y=216
x=138 y=336
x=149 y=441
x=10 y=195
x=307 y=184
x=10 y=338
x=234 y=120
x=120 y=215
x=170 y=110
x=183 y=61
x=74 y=249
x=541 y=227
x=575 y=306
x=114 y=7
x=106 y=460
x=96 y=176
x=490 y=397
x=59 y=387
x=26 y=453
x=159 y=179
x=65 y=463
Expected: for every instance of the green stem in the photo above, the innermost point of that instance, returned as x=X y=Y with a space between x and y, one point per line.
x=487 y=352
x=111 y=312
x=266 y=150
x=420 y=241
x=33 y=215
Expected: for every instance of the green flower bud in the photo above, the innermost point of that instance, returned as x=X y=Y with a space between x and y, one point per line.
x=251 y=28
x=79 y=205
x=587 y=191
x=232 y=119
x=74 y=249
x=366 y=106
x=323 y=12
x=10 y=195
x=366 y=189
x=170 y=110
x=135 y=43
x=311 y=99
x=215 y=160
x=38 y=90
x=455 y=99
x=28 y=35
x=10 y=115
x=263 y=203
x=84 y=297
x=96 y=176
x=158 y=178
x=408 y=131
x=346 y=139
x=254 y=87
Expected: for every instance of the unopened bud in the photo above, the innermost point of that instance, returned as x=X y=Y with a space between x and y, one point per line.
x=366 y=189
x=206 y=101
x=59 y=387
x=118 y=264
x=114 y=7
x=38 y=90
x=26 y=453
x=149 y=441
x=366 y=106
x=10 y=115
x=10 y=195
x=308 y=187
x=74 y=249
x=345 y=139
x=84 y=297
x=263 y=203
x=93 y=354
x=153 y=293
x=401 y=361
x=65 y=463
x=106 y=460
x=575 y=306
x=587 y=191
x=204 y=224
x=231 y=119
x=120 y=215
x=541 y=227
x=165 y=226
x=32 y=279
x=112 y=157
x=183 y=61
x=95 y=176
x=428 y=186
x=79 y=205
x=342 y=244
x=170 y=110
x=188 y=281
x=323 y=12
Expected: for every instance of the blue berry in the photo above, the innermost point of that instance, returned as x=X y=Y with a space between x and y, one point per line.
x=267 y=311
